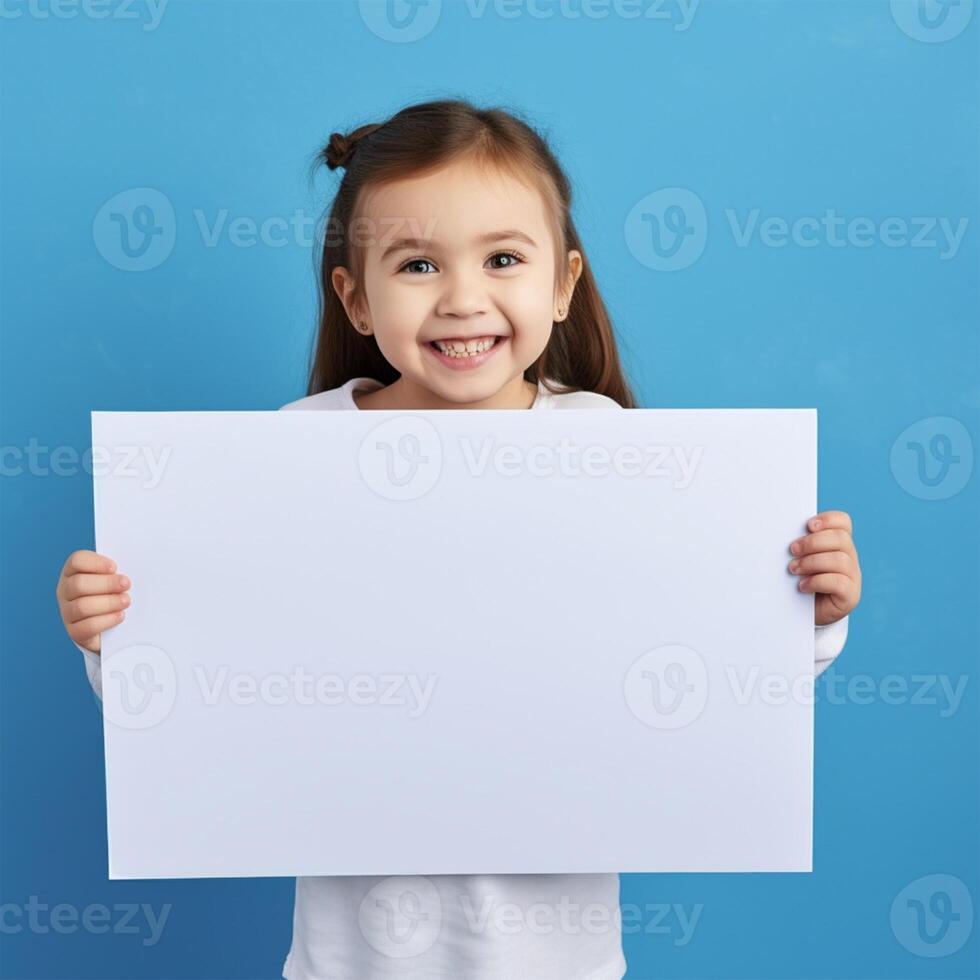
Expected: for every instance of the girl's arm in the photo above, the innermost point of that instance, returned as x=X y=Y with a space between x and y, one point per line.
x=91 y=598
x=827 y=561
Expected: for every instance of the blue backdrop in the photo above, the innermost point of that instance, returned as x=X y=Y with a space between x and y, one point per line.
x=780 y=203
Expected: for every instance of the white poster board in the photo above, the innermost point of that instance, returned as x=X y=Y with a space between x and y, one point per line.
x=454 y=642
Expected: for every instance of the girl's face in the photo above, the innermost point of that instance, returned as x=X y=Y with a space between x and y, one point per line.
x=459 y=286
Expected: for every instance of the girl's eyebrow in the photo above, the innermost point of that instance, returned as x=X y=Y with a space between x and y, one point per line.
x=420 y=244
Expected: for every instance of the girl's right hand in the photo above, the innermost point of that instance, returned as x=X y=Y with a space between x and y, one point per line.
x=91 y=597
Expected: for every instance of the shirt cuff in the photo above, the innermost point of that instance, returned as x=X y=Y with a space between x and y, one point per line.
x=828 y=641
x=93 y=668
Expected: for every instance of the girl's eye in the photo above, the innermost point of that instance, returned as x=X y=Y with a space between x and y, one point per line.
x=414 y=262
x=515 y=256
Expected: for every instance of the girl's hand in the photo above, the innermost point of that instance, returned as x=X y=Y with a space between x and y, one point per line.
x=828 y=561
x=91 y=597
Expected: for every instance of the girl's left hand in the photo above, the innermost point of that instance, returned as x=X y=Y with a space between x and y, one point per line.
x=828 y=561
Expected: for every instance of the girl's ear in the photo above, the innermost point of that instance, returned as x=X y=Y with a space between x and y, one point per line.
x=343 y=284
x=564 y=299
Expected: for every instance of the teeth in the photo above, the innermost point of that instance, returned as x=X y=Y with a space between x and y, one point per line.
x=457 y=348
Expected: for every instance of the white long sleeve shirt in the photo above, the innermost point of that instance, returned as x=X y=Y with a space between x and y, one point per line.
x=463 y=927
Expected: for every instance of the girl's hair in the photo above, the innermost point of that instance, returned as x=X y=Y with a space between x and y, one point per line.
x=581 y=353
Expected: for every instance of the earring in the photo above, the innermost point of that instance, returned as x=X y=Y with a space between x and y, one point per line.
x=362 y=326
x=561 y=312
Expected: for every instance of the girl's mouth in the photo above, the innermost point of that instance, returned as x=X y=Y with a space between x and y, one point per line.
x=464 y=355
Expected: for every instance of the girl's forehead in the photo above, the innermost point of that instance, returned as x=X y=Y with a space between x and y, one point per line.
x=457 y=201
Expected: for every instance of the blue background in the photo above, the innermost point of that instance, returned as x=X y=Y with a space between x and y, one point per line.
x=793 y=108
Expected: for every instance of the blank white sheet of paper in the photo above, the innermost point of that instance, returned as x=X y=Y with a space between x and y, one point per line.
x=457 y=642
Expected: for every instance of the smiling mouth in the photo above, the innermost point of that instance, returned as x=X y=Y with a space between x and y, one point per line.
x=460 y=348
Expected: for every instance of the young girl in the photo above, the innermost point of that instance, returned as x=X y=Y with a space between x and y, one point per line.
x=453 y=277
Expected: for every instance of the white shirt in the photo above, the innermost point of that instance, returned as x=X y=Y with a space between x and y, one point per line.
x=462 y=927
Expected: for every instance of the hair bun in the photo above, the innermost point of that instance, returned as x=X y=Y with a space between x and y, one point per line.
x=338 y=151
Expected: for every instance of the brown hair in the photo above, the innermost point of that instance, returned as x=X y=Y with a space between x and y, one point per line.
x=581 y=353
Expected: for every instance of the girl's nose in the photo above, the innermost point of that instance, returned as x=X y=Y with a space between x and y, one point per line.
x=463 y=296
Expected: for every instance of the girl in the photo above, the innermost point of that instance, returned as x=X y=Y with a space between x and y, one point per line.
x=453 y=277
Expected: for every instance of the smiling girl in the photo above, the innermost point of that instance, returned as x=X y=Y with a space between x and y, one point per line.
x=453 y=278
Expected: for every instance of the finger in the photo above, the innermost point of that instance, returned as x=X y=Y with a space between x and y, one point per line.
x=838 y=519
x=84 y=584
x=88 y=561
x=823 y=561
x=827 y=583
x=82 y=631
x=96 y=605
x=830 y=540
